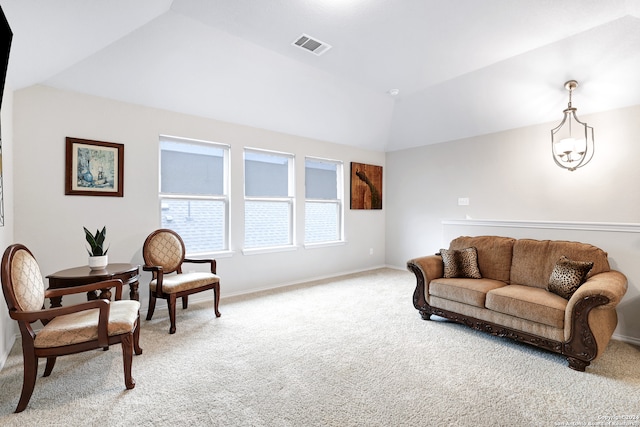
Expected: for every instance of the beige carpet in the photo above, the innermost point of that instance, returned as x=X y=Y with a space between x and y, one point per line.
x=346 y=352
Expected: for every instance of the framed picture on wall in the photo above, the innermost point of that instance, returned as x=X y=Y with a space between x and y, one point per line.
x=94 y=168
x=366 y=186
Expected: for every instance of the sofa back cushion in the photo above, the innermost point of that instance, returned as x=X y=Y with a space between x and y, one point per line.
x=533 y=260
x=494 y=254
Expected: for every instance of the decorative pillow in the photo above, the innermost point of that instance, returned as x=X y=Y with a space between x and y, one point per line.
x=461 y=263
x=567 y=276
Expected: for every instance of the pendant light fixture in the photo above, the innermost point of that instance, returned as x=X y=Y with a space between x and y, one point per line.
x=572 y=142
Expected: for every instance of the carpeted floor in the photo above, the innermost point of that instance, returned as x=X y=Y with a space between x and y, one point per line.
x=350 y=351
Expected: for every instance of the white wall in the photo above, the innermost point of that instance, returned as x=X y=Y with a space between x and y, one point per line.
x=50 y=223
x=8 y=328
x=511 y=176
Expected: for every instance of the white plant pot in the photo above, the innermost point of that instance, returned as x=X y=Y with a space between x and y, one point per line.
x=98 y=262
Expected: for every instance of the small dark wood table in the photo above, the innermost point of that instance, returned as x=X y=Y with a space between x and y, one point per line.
x=77 y=276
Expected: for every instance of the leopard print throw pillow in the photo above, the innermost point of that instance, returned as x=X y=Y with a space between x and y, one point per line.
x=461 y=263
x=567 y=276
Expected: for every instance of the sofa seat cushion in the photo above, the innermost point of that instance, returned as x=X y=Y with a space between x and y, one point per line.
x=530 y=303
x=467 y=291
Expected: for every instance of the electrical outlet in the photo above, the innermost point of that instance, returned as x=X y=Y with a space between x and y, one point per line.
x=370 y=251
x=463 y=201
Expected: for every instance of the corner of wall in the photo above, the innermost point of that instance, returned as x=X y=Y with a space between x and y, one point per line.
x=7 y=326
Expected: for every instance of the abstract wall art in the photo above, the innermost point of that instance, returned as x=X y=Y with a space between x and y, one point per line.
x=366 y=186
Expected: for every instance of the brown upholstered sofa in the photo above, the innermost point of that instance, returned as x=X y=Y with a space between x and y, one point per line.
x=512 y=299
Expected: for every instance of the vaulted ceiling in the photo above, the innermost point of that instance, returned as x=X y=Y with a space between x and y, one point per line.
x=462 y=67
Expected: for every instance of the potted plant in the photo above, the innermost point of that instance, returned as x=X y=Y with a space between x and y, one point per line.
x=97 y=254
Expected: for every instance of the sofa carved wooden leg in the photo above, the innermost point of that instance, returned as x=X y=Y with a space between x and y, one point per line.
x=185 y=302
x=577 y=364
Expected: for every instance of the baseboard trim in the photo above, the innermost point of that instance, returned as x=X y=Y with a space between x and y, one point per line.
x=301 y=281
x=5 y=356
x=624 y=338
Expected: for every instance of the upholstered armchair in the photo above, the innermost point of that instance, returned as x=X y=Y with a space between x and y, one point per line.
x=164 y=254
x=67 y=330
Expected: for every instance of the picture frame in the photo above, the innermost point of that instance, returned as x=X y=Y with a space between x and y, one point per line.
x=94 y=168
x=366 y=186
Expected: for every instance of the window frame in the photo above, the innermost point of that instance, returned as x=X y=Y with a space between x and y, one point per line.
x=339 y=202
x=224 y=197
x=290 y=199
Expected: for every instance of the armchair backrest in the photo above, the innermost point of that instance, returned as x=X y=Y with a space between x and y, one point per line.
x=165 y=248
x=22 y=282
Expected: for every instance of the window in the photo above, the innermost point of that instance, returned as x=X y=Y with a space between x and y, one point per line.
x=268 y=205
x=323 y=201
x=194 y=198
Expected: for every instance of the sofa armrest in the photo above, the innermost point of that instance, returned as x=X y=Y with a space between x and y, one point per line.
x=610 y=284
x=591 y=316
x=431 y=266
x=426 y=269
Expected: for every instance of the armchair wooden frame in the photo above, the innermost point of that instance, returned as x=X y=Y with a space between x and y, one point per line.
x=159 y=271
x=31 y=354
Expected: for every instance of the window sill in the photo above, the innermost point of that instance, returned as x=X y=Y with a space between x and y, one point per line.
x=256 y=251
x=215 y=255
x=324 y=244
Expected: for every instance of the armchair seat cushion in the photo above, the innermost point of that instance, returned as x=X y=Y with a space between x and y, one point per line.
x=526 y=302
x=82 y=326
x=175 y=283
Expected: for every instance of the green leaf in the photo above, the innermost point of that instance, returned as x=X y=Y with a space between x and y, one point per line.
x=96 y=241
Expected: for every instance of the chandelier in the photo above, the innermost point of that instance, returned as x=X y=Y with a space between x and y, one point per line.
x=572 y=142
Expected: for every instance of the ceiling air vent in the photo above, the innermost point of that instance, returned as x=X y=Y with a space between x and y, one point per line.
x=314 y=46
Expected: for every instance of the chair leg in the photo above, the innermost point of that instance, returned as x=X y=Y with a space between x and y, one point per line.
x=216 y=293
x=127 y=356
x=29 y=379
x=171 y=304
x=185 y=301
x=152 y=305
x=136 y=338
x=51 y=362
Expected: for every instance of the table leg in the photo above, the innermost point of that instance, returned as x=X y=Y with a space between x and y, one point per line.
x=133 y=291
x=56 y=302
x=105 y=294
